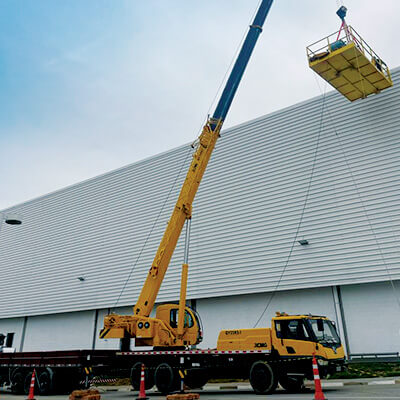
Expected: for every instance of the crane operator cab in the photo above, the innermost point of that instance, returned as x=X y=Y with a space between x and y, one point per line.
x=160 y=332
x=193 y=330
x=348 y=63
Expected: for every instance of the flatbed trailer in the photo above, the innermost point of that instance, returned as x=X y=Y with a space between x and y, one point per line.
x=56 y=371
x=64 y=371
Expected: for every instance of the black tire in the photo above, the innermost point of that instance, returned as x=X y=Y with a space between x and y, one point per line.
x=17 y=383
x=65 y=381
x=46 y=382
x=165 y=379
x=136 y=371
x=27 y=383
x=292 y=384
x=196 y=378
x=263 y=378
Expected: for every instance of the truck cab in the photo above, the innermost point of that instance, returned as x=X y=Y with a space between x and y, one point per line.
x=304 y=335
x=291 y=337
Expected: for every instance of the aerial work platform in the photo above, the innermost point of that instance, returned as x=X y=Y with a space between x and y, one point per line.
x=346 y=62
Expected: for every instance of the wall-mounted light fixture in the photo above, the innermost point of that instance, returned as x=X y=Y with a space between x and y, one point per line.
x=12 y=220
x=303 y=242
x=81 y=278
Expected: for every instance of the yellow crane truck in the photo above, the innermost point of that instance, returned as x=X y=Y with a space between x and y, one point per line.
x=264 y=355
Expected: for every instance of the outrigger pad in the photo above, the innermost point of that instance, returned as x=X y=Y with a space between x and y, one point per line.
x=89 y=394
x=183 y=396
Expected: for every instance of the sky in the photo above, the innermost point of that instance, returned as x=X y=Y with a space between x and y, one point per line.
x=90 y=86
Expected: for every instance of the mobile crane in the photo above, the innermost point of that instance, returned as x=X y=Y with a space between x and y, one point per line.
x=255 y=353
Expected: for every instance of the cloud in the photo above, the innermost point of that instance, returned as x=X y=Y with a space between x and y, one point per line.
x=139 y=78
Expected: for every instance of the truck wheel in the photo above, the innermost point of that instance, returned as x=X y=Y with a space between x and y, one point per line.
x=292 y=384
x=71 y=381
x=136 y=371
x=65 y=381
x=262 y=377
x=46 y=382
x=27 y=383
x=17 y=383
x=165 y=379
x=196 y=378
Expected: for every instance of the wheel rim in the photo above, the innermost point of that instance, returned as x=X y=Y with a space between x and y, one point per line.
x=27 y=383
x=136 y=371
x=196 y=378
x=135 y=376
x=17 y=385
x=44 y=383
x=164 y=378
x=262 y=377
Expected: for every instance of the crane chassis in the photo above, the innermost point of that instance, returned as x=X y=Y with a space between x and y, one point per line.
x=60 y=372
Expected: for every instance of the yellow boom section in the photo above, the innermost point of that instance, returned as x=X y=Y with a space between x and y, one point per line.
x=346 y=62
x=182 y=212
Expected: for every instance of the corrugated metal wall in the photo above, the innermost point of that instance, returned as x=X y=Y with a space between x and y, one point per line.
x=372 y=317
x=245 y=216
x=370 y=312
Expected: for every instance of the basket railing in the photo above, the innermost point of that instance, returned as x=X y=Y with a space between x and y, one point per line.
x=343 y=37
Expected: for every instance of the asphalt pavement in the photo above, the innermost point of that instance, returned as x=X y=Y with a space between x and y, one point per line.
x=357 y=389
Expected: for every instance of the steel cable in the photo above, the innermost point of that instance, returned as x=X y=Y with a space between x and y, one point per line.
x=395 y=293
x=301 y=215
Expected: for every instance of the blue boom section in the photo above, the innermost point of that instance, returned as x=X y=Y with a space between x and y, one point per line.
x=241 y=62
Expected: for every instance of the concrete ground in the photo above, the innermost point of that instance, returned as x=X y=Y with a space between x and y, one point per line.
x=357 y=389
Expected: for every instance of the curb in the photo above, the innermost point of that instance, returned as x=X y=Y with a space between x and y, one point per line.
x=328 y=384
x=388 y=382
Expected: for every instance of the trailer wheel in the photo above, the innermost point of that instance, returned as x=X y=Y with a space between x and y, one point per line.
x=46 y=382
x=17 y=383
x=292 y=384
x=165 y=379
x=136 y=371
x=196 y=378
x=263 y=379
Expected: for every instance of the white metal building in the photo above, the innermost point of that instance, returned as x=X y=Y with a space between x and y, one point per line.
x=329 y=170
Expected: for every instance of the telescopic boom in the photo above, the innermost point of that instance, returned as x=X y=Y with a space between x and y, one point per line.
x=179 y=326
x=207 y=139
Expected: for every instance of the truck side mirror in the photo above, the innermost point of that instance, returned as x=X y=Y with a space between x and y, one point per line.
x=2 y=337
x=320 y=325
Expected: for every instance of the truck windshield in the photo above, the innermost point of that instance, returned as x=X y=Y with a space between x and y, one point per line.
x=328 y=334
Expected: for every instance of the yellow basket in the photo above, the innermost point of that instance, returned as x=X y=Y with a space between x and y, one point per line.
x=346 y=62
